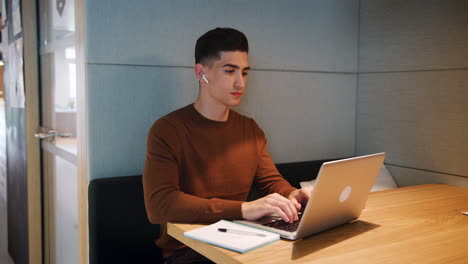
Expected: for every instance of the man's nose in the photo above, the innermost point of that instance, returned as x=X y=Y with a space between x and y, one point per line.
x=240 y=82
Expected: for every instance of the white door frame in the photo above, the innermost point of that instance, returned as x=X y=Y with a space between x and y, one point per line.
x=82 y=128
x=33 y=161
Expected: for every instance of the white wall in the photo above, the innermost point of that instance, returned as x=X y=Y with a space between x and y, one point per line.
x=413 y=88
x=302 y=89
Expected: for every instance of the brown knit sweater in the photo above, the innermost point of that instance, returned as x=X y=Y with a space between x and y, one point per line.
x=200 y=170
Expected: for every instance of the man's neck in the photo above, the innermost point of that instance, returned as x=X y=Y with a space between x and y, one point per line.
x=212 y=111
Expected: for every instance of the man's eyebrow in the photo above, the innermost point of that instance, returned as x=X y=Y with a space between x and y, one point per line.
x=235 y=66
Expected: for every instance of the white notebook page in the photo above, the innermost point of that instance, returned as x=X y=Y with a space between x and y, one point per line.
x=233 y=241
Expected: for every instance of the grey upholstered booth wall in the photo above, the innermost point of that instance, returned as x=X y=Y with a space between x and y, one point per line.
x=413 y=88
x=302 y=89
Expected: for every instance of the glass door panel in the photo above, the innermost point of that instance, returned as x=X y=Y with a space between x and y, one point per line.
x=66 y=211
x=58 y=127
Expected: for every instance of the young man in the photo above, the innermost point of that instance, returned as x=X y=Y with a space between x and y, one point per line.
x=203 y=158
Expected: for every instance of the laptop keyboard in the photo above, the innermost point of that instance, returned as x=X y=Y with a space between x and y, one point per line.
x=282 y=225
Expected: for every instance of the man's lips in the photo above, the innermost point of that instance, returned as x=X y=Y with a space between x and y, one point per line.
x=236 y=94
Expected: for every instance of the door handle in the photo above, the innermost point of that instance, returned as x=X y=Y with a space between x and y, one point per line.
x=51 y=134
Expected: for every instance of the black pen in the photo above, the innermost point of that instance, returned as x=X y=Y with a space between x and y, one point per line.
x=240 y=232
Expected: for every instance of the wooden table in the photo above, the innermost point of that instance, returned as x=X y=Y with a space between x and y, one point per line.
x=419 y=224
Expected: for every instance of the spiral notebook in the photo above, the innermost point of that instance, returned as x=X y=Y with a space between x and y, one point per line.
x=233 y=236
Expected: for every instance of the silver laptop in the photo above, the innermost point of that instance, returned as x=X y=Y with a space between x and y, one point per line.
x=339 y=196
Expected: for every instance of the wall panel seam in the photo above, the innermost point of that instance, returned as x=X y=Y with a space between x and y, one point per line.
x=410 y=71
x=356 y=108
x=425 y=170
x=190 y=67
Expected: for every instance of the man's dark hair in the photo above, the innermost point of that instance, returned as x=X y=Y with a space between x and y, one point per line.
x=219 y=39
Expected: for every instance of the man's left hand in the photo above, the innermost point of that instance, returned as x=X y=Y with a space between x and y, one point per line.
x=300 y=197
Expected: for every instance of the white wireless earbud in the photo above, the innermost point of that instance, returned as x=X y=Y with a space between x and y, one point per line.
x=204 y=78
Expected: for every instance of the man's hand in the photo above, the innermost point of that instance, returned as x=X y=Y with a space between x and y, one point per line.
x=300 y=197
x=268 y=205
x=286 y=208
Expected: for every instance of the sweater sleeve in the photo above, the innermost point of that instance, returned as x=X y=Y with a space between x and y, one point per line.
x=164 y=201
x=267 y=177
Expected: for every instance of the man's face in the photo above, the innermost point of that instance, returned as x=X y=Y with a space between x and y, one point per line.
x=227 y=77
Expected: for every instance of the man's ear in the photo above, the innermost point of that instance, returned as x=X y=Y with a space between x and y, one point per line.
x=200 y=71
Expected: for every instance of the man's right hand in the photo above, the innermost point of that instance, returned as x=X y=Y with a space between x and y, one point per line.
x=268 y=205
